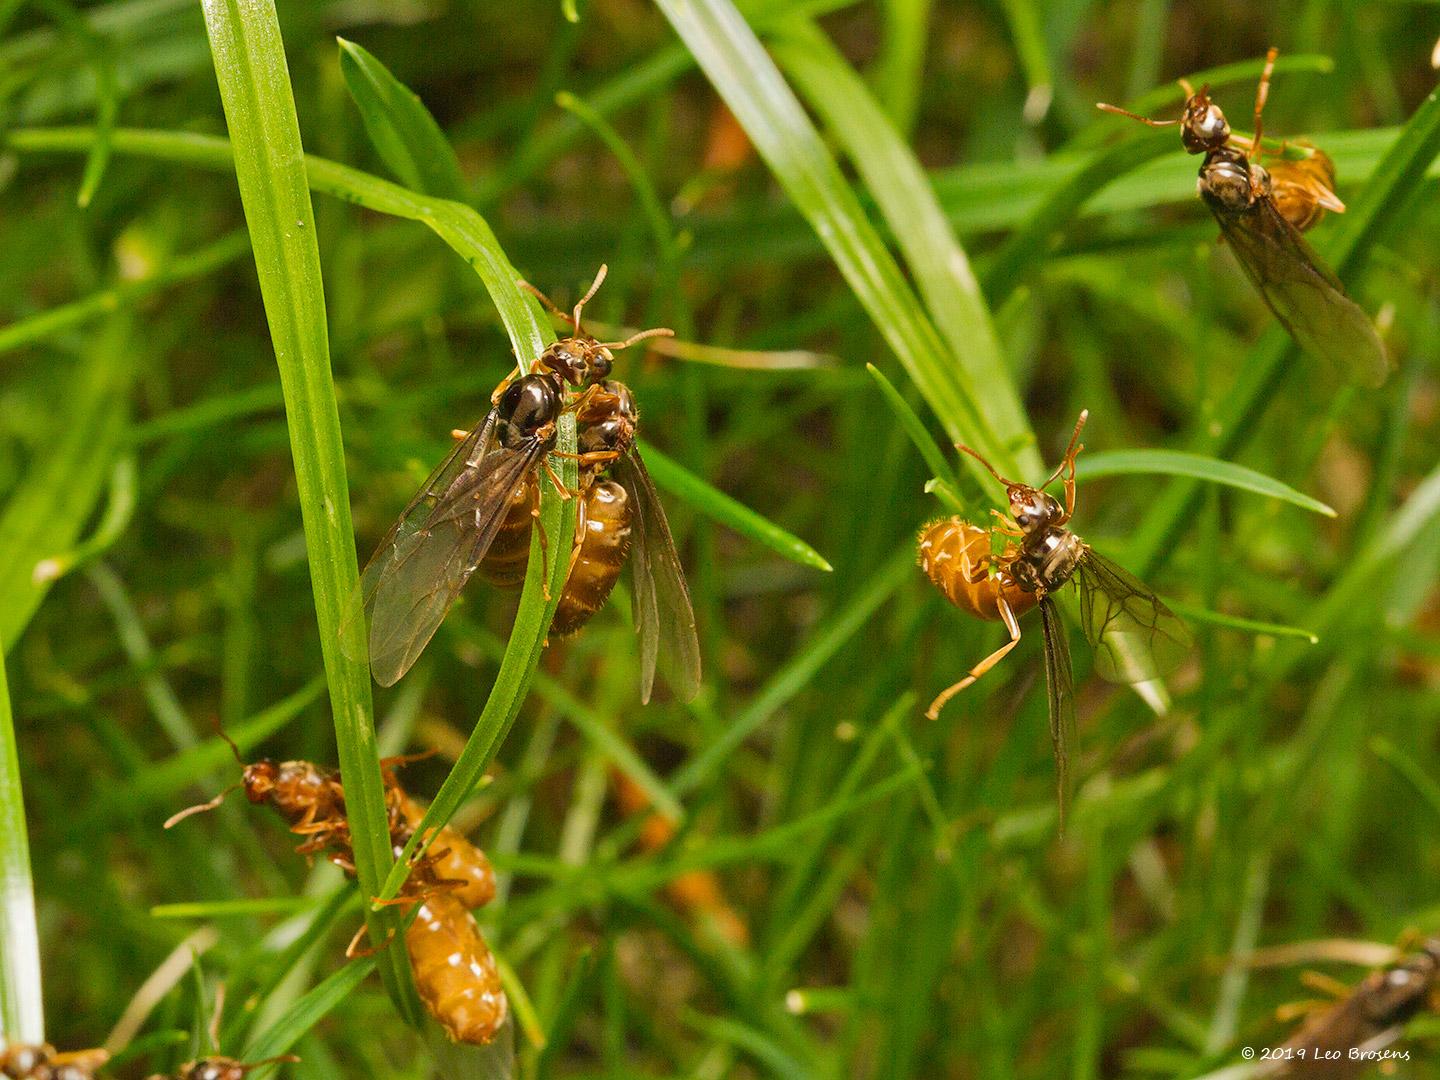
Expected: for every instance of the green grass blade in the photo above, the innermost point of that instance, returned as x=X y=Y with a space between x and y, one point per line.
x=404 y=134
x=742 y=72
x=906 y=198
x=1196 y=467
x=797 y=672
x=1024 y=250
x=670 y=476
x=49 y=508
x=1249 y=626
x=270 y=169
x=929 y=450
x=309 y=1011
x=22 y=1010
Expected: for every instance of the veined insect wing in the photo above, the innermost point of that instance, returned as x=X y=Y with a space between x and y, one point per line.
x=1136 y=638
x=1304 y=294
x=493 y=1061
x=429 y=554
x=664 y=616
x=1060 y=696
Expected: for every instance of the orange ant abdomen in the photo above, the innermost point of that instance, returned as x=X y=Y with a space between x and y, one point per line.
x=453 y=859
x=956 y=556
x=455 y=973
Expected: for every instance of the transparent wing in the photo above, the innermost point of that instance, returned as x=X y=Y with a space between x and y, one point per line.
x=1135 y=636
x=431 y=551
x=1305 y=296
x=1060 y=692
x=664 y=617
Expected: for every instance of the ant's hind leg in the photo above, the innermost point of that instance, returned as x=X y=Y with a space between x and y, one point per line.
x=1012 y=625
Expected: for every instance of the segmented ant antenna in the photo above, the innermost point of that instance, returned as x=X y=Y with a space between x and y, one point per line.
x=1136 y=116
x=1071 y=450
x=205 y=807
x=1067 y=461
x=653 y=332
x=594 y=288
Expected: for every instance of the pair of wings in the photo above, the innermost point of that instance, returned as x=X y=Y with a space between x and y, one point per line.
x=1307 y=298
x=442 y=536
x=1136 y=639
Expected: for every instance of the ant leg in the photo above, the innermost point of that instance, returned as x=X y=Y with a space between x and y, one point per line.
x=565 y=493
x=1262 y=92
x=1005 y=526
x=499 y=391
x=355 y=951
x=401 y=760
x=544 y=549
x=1013 y=626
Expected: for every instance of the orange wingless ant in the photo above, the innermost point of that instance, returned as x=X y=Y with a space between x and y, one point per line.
x=455 y=974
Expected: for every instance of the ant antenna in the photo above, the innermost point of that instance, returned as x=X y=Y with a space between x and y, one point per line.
x=978 y=457
x=215 y=1017
x=594 y=288
x=1071 y=450
x=202 y=808
x=1135 y=116
x=653 y=332
x=220 y=730
x=550 y=305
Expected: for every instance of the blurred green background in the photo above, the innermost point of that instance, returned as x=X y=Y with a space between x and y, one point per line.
x=835 y=886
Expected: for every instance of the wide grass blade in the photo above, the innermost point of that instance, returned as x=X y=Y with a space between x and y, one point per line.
x=22 y=1010
x=309 y=1011
x=1196 y=467
x=405 y=135
x=742 y=72
x=907 y=199
x=270 y=169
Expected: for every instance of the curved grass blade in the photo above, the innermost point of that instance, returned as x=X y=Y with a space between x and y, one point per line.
x=22 y=1010
x=746 y=78
x=907 y=200
x=1249 y=626
x=403 y=131
x=1197 y=467
x=934 y=457
x=719 y=507
x=48 y=509
x=270 y=170
x=309 y=1011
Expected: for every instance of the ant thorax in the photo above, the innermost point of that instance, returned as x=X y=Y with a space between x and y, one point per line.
x=1228 y=178
x=1047 y=559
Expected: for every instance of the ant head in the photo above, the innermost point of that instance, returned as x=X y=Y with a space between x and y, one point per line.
x=260 y=779
x=1032 y=508
x=1203 y=127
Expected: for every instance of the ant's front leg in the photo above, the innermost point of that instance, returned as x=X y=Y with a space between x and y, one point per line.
x=1006 y=527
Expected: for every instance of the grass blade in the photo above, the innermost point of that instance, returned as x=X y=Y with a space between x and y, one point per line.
x=270 y=169
x=404 y=134
x=716 y=505
x=1196 y=467
x=908 y=202
x=929 y=450
x=47 y=511
x=22 y=1010
x=310 y=1010
x=742 y=72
